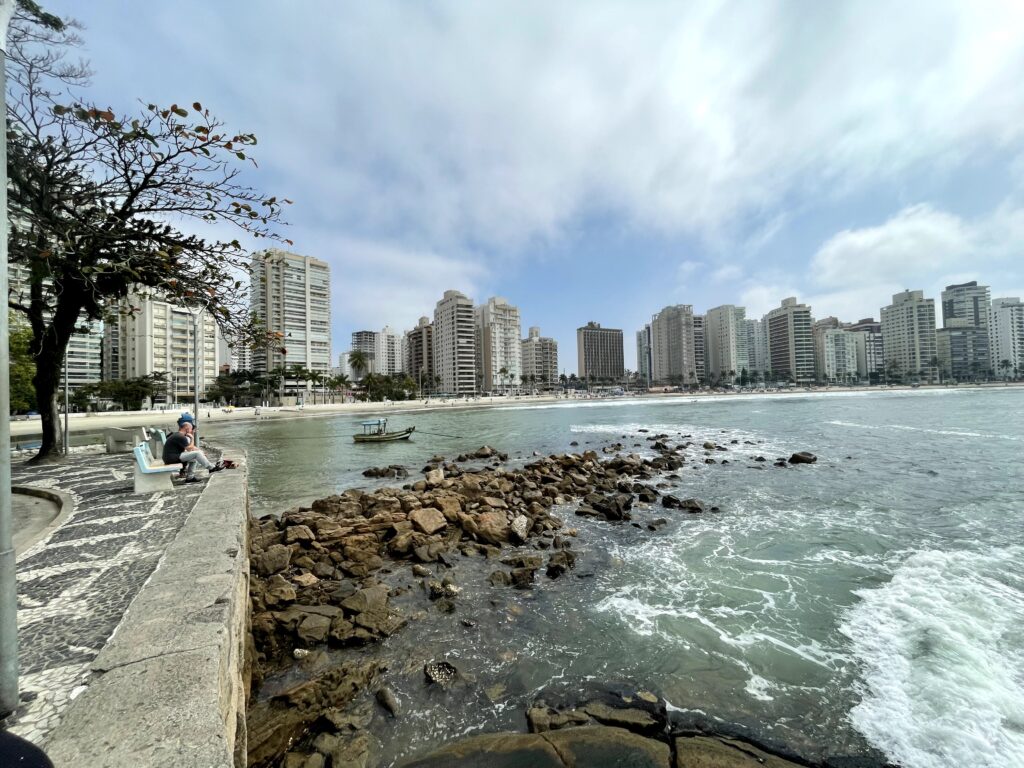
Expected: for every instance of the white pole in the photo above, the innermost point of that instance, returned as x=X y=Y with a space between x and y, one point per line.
x=8 y=585
x=196 y=363
x=65 y=402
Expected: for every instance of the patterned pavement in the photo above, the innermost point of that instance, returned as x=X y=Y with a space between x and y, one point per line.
x=75 y=586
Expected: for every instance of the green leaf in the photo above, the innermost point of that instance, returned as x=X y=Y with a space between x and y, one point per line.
x=240 y=155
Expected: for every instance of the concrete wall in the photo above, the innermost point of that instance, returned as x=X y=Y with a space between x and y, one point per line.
x=169 y=688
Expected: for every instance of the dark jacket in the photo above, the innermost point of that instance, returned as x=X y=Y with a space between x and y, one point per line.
x=174 y=446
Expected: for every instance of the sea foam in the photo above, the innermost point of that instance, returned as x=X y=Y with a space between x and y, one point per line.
x=941 y=648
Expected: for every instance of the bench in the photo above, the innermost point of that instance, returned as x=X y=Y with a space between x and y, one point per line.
x=156 y=439
x=151 y=476
x=121 y=440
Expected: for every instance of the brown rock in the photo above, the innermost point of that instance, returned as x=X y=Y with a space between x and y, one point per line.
x=492 y=527
x=428 y=520
x=272 y=560
x=298 y=533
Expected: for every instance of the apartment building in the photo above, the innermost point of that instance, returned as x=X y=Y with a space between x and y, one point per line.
x=839 y=356
x=908 y=336
x=599 y=353
x=673 y=359
x=791 y=342
x=1006 y=336
x=818 y=330
x=498 y=345
x=455 y=344
x=870 y=352
x=149 y=335
x=419 y=353
x=965 y=330
x=291 y=295
x=540 y=359
x=643 y=355
x=727 y=341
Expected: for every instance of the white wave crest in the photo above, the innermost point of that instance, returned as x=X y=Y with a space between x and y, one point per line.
x=942 y=651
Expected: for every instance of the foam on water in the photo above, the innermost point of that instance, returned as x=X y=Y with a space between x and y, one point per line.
x=941 y=648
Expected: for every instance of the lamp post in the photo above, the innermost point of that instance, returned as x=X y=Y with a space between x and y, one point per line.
x=8 y=585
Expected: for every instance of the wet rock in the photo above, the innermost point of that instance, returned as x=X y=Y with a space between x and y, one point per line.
x=484 y=452
x=492 y=528
x=691 y=505
x=520 y=527
x=522 y=578
x=591 y=745
x=420 y=571
x=434 y=477
x=373 y=598
x=559 y=563
x=802 y=457
x=540 y=719
x=648 y=495
x=386 y=698
x=428 y=520
x=656 y=524
x=499 y=579
x=440 y=673
x=709 y=446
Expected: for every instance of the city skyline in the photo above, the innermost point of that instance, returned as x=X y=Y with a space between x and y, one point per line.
x=580 y=170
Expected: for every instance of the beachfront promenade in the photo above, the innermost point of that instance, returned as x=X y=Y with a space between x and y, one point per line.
x=114 y=605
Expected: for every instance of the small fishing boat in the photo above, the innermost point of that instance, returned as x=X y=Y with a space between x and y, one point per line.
x=376 y=431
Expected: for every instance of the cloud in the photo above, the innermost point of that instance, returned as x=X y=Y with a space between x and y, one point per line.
x=727 y=273
x=377 y=283
x=856 y=271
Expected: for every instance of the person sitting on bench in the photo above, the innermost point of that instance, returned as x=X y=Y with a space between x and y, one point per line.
x=180 y=448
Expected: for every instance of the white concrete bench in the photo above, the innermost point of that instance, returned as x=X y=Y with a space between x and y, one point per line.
x=122 y=440
x=156 y=439
x=150 y=475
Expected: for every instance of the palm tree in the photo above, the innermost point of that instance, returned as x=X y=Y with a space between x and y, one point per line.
x=892 y=370
x=1005 y=365
x=503 y=372
x=563 y=380
x=358 y=362
x=936 y=366
x=316 y=378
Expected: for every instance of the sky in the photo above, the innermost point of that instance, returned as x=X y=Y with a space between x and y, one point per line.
x=602 y=160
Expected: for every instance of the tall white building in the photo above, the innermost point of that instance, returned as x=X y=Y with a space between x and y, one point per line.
x=387 y=352
x=791 y=342
x=839 y=359
x=149 y=335
x=700 y=369
x=540 y=359
x=499 y=345
x=908 y=335
x=455 y=344
x=1006 y=336
x=727 y=350
x=757 y=345
x=291 y=294
x=818 y=330
x=84 y=350
x=673 y=354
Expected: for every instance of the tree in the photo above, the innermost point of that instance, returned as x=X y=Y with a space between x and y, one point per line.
x=92 y=198
x=936 y=366
x=22 y=368
x=1005 y=365
x=503 y=372
x=892 y=370
x=358 y=362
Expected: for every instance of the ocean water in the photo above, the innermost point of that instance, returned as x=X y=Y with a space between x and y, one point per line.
x=871 y=602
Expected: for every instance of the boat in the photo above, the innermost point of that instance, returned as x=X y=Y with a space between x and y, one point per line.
x=376 y=431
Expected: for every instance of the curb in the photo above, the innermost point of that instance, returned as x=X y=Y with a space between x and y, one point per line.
x=168 y=688
x=64 y=500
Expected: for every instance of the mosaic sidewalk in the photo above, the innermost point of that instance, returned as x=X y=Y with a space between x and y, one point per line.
x=75 y=586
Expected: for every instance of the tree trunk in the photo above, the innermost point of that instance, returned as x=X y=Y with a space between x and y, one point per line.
x=50 y=348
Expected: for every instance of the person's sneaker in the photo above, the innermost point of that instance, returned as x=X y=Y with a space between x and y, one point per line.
x=216 y=467
x=181 y=472
x=193 y=480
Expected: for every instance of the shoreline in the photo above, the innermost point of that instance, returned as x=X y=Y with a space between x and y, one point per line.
x=214 y=415
x=331 y=582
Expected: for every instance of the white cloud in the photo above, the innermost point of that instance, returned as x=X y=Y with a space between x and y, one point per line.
x=727 y=273
x=856 y=271
x=376 y=283
x=497 y=123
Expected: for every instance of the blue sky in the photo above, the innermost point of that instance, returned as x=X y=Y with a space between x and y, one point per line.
x=600 y=160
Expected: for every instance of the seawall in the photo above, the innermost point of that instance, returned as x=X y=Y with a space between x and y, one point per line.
x=170 y=686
